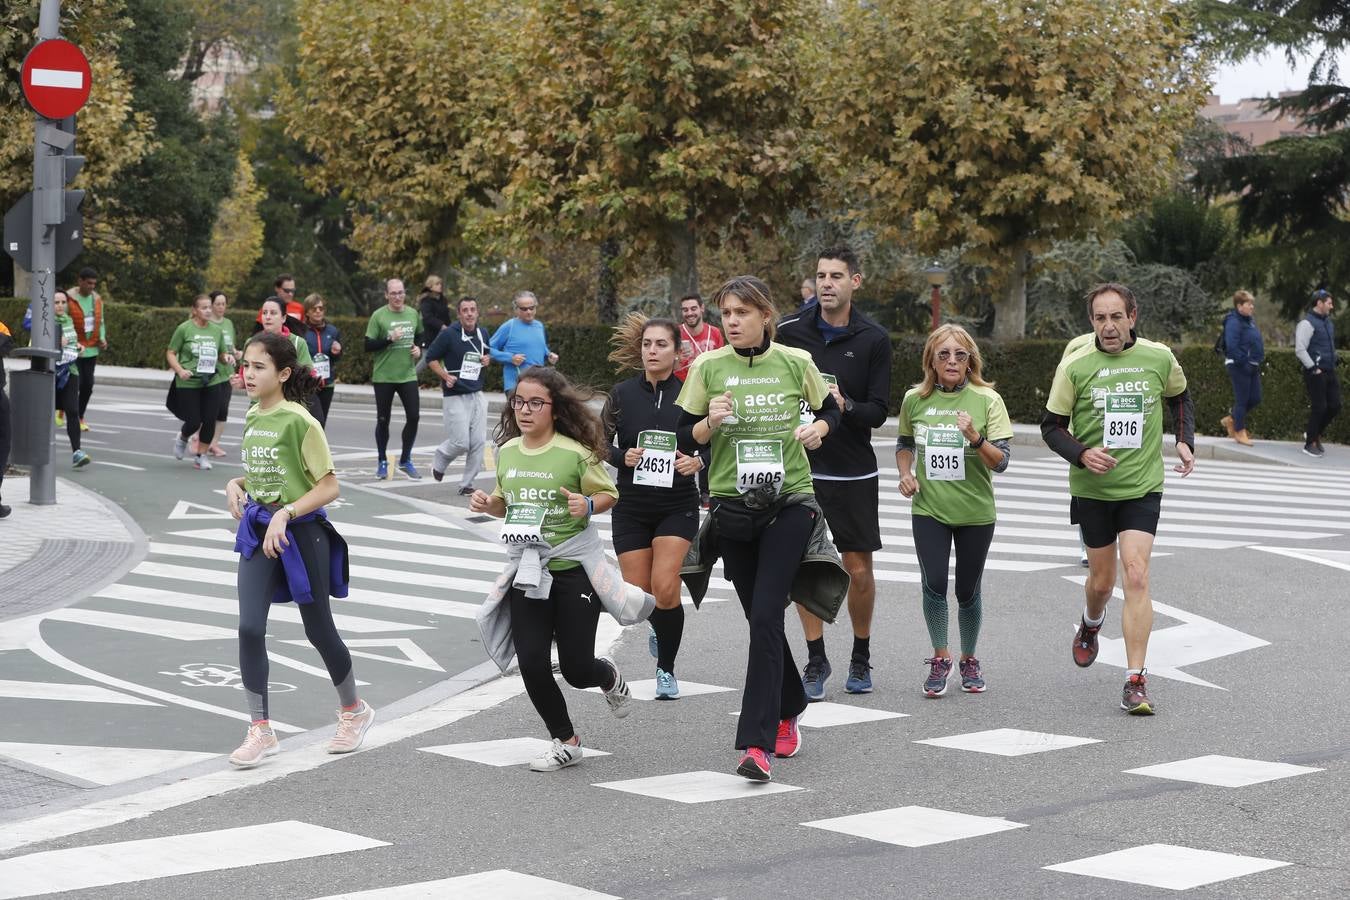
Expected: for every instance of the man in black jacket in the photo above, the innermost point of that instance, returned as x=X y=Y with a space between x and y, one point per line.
x=854 y=354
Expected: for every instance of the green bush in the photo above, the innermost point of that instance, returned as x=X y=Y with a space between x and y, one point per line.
x=1023 y=370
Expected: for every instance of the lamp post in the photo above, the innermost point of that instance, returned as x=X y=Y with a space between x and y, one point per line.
x=937 y=277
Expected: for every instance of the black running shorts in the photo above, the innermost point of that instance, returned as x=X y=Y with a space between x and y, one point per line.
x=635 y=525
x=1102 y=520
x=851 y=511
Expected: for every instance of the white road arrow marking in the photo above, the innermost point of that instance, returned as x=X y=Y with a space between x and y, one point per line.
x=1336 y=559
x=183 y=509
x=1195 y=640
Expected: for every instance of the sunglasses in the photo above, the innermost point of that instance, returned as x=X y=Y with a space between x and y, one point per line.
x=958 y=355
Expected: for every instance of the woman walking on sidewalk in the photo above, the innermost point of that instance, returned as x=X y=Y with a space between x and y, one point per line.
x=959 y=428
x=198 y=355
x=656 y=518
x=748 y=399
x=1244 y=351
x=279 y=502
x=551 y=479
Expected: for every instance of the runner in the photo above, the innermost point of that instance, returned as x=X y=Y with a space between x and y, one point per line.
x=393 y=334
x=744 y=400
x=696 y=336
x=324 y=343
x=551 y=479
x=87 y=311
x=854 y=354
x=1104 y=415
x=457 y=357
x=657 y=514
x=219 y=305
x=521 y=342
x=68 y=381
x=198 y=356
x=959 y=426
x=279 y=502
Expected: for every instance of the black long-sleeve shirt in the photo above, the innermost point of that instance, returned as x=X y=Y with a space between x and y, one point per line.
x=634 y=406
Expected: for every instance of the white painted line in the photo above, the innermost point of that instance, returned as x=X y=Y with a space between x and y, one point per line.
x=499 y=884
x=57 y=78
x=645 y=689
x=101 y=865
x=502 y=753
x=915 y=826
x=161 y=628
x=698 y=787
x=1168 y=866
x=104 y=462
x=101 y=765
x=413 y=655
x=1009 y=742
x=78 y=693
x=1336 y=559
x=1221 y=771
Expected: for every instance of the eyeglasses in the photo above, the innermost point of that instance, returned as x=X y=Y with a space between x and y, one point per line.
x=958 y=355
x=290 y=291
x=525 y=308
x=397 y=293
x=534 y=403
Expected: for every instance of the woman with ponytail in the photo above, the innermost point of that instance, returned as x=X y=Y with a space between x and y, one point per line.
x=279 y=502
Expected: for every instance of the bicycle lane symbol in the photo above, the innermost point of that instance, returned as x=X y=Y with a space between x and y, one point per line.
x=219 y=675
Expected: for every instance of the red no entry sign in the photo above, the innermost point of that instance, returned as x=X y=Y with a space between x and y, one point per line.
x=56 y=78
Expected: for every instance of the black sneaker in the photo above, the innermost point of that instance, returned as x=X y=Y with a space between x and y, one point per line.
x=814 y=675
x=1314 y=449
x=4 y=510
x=467 y=490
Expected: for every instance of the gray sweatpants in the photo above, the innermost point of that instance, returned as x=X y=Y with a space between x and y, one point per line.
x=465 y=419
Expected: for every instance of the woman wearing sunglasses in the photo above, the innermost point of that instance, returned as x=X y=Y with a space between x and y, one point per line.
x=551 y=479
x=954 y=432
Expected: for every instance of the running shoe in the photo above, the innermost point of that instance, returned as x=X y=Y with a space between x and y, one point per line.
x=652 y=646
x=618 y=696
x=667 y=687
x=859 y=679
x=5 y=510
x=1314 y=450
x=258 y=743
x=939 y=672
x=814 y=676
x=1318 y=444
x=755 y=765
x=559 y=756
x=407 y=468
x=79 y=459
x=352 y=728
x=1134 y=699
x=201 y=462
x=972 y=681
x=1085 y=645
x=467 y=490
x=179 y=447
x=437 y=473
x=60 y=419
x=382 y=469
x=84 y=426
x=789 y=741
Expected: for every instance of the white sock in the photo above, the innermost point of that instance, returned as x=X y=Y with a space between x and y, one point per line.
x=1129 y=672
x=1093 y=623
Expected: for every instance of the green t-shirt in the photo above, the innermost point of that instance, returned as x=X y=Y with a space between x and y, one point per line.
x=193 y=342
x=1078 y=343
x=302 y=354
x=285 y=453
x=968 y=500
x=1120 y=393
x=534 y=478
x=227 y=327
x=394 y=364
x=70 y=342
x=770 y=397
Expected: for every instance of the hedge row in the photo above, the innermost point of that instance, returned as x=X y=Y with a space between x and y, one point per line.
x=137 y=337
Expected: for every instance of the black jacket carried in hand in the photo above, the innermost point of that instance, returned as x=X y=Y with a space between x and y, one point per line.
x=860 y=360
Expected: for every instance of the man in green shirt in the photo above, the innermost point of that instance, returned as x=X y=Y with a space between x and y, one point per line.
x=1104 y=415
x=394 y=335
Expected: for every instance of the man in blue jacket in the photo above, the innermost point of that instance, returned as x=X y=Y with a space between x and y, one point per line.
x=521 y=342
x=457 y=357
x=1315 y=347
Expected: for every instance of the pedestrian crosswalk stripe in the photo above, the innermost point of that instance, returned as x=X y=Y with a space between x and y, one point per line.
x=1168 y=866
x=502 y=752
x=499 y=884
x=1223 y=771
x=1009 y=742
x=101 y=765
x=697 y=787
x=915 y=826
x=102 y=865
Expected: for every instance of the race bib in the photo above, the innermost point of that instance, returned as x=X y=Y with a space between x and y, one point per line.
x=323 y=366
x=656 y=468
x=807 y=416
x=206 y=359
x=1124 y=423
x=471 y=366
x=758 y=463
x=71 y=349
x=524 y=524
x=944 y=455
x=829 y=379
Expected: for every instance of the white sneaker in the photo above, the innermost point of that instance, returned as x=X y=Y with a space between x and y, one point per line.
x=559 y=756
x=179 y=447
x=202 y=462
x=258 y=743
x=618 y=697
x=352 y=728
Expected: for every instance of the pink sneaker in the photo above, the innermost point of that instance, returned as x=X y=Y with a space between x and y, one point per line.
x=352 y=727
x=260 y=742
x=789 y=741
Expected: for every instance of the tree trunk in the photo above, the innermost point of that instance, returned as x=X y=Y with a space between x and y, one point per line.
x=607 y=282
x=683 y=262
x=1010 y=312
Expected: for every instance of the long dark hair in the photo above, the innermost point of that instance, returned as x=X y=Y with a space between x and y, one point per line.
x=572 y=417
x=303 y=382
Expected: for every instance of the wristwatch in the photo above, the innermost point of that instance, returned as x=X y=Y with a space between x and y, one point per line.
x=289 y=509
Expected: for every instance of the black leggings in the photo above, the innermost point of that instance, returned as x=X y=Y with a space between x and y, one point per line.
x=933 y=544
x=68 y=401
x=773 y=690
x=85 y=365
x=199 y=406
x=259 y=578
x=325 y=396
x=384 y=408
x=569 y=615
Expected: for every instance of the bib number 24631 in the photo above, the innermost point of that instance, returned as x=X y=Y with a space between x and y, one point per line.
x=524 y=524
x=759 y=463
x=656 y=468
x=1123 y=424
x=944 y=455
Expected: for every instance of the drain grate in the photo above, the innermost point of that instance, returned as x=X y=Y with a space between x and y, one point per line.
x=22 y=788
x=61 y=568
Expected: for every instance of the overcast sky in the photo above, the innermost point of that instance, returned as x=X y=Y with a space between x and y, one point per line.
x=1262 y=76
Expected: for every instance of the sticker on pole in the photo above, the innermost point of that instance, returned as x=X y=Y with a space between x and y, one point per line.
x=56 y=78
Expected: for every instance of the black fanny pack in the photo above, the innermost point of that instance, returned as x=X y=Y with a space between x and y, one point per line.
x=735 y=520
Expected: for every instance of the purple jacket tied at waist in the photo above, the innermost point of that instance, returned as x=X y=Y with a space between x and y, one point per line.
x=297 y=587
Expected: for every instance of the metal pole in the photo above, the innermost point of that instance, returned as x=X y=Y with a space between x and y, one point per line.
x=48 y=185
x=936 y=302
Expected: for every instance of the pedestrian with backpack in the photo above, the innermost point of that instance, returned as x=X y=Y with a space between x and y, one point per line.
x=1243 y=352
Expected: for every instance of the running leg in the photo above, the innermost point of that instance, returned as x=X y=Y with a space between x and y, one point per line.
x=668 y=554
x=972 y=548
x=384 y=408
x=1137 y=619
x=532 y=631
x=256 y=581
x=412 y=410
x=933 y=546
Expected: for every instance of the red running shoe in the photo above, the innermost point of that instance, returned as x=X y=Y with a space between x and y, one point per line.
x=1085 y=645
x=755 y=765
x=789 y=738
x=1134 y=699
